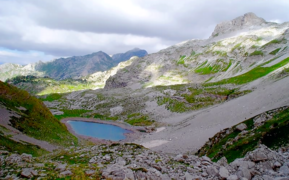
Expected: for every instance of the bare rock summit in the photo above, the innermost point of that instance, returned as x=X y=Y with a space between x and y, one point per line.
x=247 y=20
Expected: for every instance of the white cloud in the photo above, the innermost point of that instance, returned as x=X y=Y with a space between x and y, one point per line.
x=55 y=28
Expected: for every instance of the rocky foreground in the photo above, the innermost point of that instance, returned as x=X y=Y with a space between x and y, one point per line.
x=132 y=161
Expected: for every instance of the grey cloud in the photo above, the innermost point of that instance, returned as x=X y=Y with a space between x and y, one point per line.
x=173 y=21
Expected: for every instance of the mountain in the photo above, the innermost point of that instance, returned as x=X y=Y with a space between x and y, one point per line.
x=76 y=66
x=236 y=47
x=72 y=67
x=120 y=57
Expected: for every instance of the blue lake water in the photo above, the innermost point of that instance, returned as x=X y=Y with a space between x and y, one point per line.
x=98 y=130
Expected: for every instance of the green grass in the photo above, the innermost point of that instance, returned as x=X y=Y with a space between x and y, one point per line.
x=237 y=46
x=257 y=53
x=251 y=75
x=36 y=121
x=181 y=60
x=12 y=146
x=273 y=133
x=138 y=119
x=275 y=51
x=219 y=66
x=274 y=41
x=72 y=113
x=220 y=53
x=52 y=97
x=103 y=117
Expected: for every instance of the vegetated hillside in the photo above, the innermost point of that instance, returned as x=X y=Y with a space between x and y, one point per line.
x=31 y=117
x=72 y=67
x=269 y=128
x=120 y=57
x=45 y=85
x=241 y=45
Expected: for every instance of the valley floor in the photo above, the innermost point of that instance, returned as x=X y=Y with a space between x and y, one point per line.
x=188 y=132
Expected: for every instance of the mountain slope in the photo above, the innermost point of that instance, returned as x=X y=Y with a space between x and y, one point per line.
x=27 y=115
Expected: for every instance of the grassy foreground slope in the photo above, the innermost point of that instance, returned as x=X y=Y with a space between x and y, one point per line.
x=269 y=128
x=34 y=119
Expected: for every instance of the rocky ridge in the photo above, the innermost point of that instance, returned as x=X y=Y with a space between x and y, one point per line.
x=71 y=67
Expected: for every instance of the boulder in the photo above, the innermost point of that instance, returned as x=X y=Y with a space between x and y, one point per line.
x=28 y=172
x=90 y=172
x=244 y=173
x=66 y=173
x=223 y=172
x=258 y=156
x=212 y=171
x=61 y=167
x=241 y=127
x=26 y=157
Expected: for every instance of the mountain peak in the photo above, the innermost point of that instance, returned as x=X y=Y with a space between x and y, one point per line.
x=247 y=20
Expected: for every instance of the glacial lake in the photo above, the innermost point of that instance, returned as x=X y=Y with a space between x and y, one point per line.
x=98 y=130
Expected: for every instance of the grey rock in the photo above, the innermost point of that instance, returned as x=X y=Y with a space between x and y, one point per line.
x=238 y=23
x=13 y=159
x=90 y=172
x=223 y=172
x=61 y=167
x=212 y=171
x=244 y=173
x=188 y=176
x=27 y=173
x=277 y=164
x=241 y=127
x=284 y=169
x=281 y=178
x=266 y=177
x=26 y=157
x=258 y=156
x=66 y=173
x=120 y=161
x=232 y=177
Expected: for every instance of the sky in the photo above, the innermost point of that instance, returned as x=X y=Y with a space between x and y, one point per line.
x=33 y=30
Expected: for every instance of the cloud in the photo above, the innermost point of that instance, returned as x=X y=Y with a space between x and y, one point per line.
x=66 y=28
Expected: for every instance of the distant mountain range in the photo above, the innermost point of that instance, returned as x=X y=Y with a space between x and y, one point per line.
x=71 y=67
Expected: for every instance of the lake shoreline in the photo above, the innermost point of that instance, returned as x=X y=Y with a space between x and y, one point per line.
x=129 y=137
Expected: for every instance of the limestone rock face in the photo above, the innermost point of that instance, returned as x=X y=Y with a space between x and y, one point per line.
x=247 y=20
